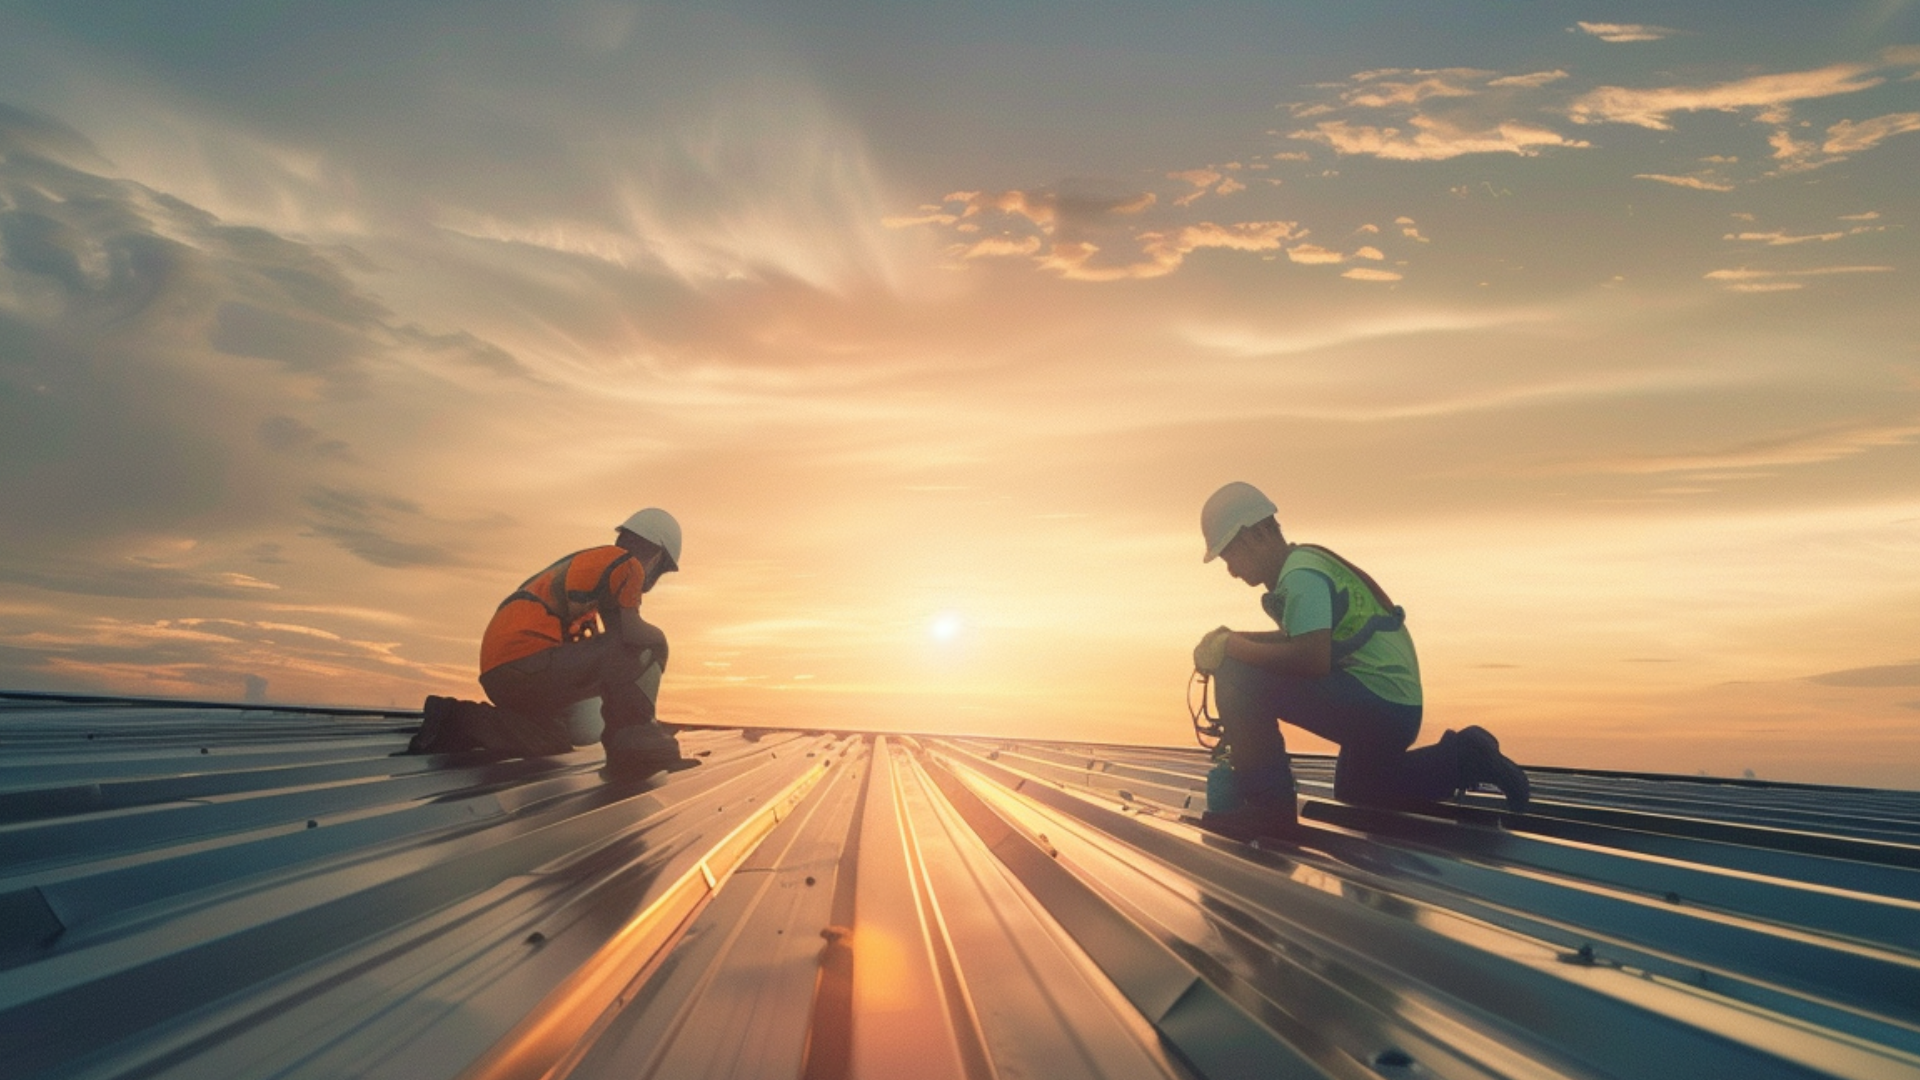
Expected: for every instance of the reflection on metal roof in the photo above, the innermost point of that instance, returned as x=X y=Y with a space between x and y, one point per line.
x=197 y=891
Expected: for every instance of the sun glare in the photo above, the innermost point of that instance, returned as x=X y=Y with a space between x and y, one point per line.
x=944 y=627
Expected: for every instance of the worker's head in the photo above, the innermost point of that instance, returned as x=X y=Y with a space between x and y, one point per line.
x=654 y=538
x=1239 y=526
x=1256 y=554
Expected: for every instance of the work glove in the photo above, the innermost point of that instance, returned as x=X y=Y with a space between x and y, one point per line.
x=1211 y=651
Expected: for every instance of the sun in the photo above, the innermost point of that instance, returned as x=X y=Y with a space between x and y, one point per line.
x=944 y=627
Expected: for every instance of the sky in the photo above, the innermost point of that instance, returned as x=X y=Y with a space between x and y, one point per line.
x=1587 y=329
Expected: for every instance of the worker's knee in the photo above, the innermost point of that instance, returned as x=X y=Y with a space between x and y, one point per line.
x=1242 y=691
x=649 y=680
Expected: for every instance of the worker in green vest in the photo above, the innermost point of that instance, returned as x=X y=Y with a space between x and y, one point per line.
x=1341 y=666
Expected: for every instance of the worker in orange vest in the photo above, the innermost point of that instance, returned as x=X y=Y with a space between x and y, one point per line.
x=572 y=632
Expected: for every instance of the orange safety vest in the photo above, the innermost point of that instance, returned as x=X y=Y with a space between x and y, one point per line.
x=562 y=603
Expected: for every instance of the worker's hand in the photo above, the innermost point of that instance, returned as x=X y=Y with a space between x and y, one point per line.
x=1211 y=651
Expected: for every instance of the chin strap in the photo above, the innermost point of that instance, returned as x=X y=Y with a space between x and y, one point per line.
x=1206 y=726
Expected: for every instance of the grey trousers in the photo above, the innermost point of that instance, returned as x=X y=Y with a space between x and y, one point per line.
x=534 y=694
x=1374 y=766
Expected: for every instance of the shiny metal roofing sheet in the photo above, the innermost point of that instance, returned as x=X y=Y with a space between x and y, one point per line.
x=210 y=891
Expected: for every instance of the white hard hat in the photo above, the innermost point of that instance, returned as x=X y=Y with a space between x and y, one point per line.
x=1234 y=507
x=656 y=526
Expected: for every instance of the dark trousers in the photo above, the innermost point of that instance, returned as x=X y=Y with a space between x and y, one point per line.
x=535 y=693
x=1373 y=734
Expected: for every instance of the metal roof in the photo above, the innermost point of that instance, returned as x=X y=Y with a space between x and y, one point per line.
x=205 y=891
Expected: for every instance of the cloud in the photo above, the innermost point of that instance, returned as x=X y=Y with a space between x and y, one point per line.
x=131 y=579
x=1878 y=675
x=1797 y=448
x=1381 y=89
x=1208 y=180
x=1433 y=114
x=1782 y=238
x=1367 y=273
x=1314 y=254
x=1050 y=210
x=1654 y=107
x=1698 y=183
x=1433 y=139
x=1531 y=80
x=1748 y=280
x=1082 y=233
x=1848 y=137
x=307 y=345
x=290 y=435
x=1246 y=342
x=1201 y=179
x=1624 y=32
x=930 y=215
x=384 y=530
x=213 y=657
x=1166 y=250
x=1000 y=247
x=164 y=372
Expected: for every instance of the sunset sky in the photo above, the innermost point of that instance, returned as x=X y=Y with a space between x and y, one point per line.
x=1589 y=329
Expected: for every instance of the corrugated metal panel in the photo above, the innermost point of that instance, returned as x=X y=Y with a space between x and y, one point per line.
x=193 y=891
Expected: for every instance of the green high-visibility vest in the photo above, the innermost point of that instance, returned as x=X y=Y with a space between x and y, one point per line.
x=1361 y=607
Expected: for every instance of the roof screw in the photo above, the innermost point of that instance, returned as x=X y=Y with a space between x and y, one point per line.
x=809 y=879
x=1586 y=953
x=312 y=824
x=1673 y=898
x=203 y=749
x=536 y=938
x=1392 y=1058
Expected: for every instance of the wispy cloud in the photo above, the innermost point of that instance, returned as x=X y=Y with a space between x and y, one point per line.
x=1750 y=280
x=213 y=657
x=1314 y=254
x=1101 y=237
x=1166 y=250
x=1623 y=32
x=1434 y=115
x=1794 y=448
x=1849 y=137
x=1208 y=180
x=1531 y=80
x=1249 y=341
x=1698 y=183
x=1782 y=238
x=1654 y=107
x=1434 y=139
x=1397 y=86
x=1368 y=273
x=1878 y=675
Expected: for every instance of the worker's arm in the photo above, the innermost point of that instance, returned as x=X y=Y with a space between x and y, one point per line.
x=1309 y=655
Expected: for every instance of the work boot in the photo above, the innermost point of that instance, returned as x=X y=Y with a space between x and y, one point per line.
x=1254 y=821
x=440 y=730
x=637 y=751
x=1481 y=762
